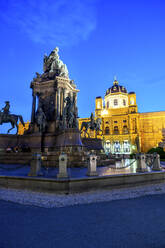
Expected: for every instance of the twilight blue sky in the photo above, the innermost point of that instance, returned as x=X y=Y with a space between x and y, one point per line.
x=97 y=40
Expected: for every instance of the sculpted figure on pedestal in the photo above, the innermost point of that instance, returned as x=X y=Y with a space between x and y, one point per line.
x=53 y=64
x=41 y=120
x=92 y=122
x=70 y=113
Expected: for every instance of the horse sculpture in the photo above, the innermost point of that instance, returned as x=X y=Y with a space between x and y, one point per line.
x=11 y=118
x=92 y=126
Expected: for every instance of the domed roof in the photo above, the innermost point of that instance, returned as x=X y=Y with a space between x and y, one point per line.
x=116 y=88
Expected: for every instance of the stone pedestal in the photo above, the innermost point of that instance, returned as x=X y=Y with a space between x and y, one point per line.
x=119 y=163
x=62 y=166
x=8 y=141
x=156 y=164
x=69 y=137
x=141 y=164
x=32 y=141
x=35 y=165
x=92 y=165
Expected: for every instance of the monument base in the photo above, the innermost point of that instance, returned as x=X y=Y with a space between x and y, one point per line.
x=92 y=174
x=141 y=170
x=69 y=137
x=50 y=145
x=93 y=144
x=62 y=175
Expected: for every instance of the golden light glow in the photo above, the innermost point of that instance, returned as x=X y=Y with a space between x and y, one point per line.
x=104 y=112
x=124 y=124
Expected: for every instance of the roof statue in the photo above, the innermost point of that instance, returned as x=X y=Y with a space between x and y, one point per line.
x=115 y=78
x=115 y=81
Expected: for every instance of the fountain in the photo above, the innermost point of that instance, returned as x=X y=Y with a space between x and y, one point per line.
x=53 y=140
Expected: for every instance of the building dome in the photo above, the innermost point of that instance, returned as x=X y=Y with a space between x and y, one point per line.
x=116 y=88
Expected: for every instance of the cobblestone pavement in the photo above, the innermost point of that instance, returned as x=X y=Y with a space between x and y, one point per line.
x=49 y=200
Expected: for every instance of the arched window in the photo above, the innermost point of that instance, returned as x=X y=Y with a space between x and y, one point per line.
x=98 y=105
x=107 y=130
x=125 y=129
x=108 y=104
x=124 y=102
x=132 y=101
x=116 y=130
x=116 y=146
x=126 y=146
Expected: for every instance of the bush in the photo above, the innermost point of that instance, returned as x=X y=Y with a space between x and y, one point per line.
x=158 y=150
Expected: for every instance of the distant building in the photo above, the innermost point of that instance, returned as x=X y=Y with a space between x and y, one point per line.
x=124 y=129
x=22 y=129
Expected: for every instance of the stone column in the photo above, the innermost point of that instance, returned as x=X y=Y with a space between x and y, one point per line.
x=62 y=166
x=61 y=102
x=156 y=164
x=141 y=164
x=58 y=102
x=64 y=96
x=35 y=165
x=33 y=108
x=55 y=103
x=119 y=163
x=92 y=166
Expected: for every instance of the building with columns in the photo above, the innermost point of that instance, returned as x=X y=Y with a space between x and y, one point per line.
x=124 y=128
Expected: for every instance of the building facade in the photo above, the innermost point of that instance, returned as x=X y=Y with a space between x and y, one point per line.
x=124 y=130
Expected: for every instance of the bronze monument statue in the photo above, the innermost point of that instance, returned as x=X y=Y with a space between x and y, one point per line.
x=92 y=125
x=41 y=120
x=54 y=117
x=6 y=117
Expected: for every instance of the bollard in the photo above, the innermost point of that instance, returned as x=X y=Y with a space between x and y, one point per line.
x=62 y=166
x=35 y=165
x=92 y=166
x=119 y=163
x=141 y=164
x=156 y=164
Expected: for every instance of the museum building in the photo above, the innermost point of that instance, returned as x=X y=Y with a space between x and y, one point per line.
x=121 y=124
x=123 y=128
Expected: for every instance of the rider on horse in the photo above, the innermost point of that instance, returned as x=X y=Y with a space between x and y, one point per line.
x=6 y=117
x=6 y=109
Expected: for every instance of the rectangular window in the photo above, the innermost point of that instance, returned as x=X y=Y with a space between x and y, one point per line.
x=124 y=102
x=115 y=102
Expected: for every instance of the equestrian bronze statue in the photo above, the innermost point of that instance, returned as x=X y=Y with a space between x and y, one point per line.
x=6 y=117
x=93 y=125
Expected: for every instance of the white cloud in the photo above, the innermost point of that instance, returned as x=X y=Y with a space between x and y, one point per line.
x=60 y=22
